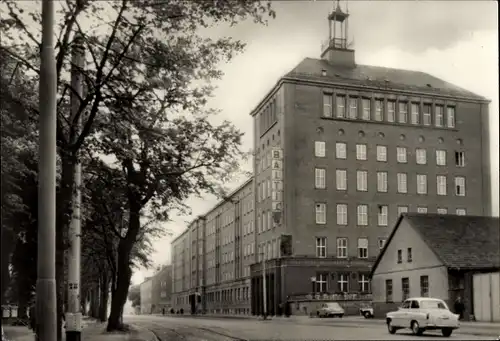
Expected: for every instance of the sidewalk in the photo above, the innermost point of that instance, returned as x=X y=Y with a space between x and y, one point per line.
x=92 y=331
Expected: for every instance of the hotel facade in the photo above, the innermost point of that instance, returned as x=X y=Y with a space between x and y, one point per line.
x=341 y=150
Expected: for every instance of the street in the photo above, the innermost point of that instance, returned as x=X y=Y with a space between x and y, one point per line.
x=211 y=329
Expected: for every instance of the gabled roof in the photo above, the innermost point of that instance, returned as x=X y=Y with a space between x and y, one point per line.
x=379 y=77
x=460 y=242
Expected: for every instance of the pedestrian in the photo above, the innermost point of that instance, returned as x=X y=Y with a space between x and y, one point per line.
x=459 y=307
x=32 y=313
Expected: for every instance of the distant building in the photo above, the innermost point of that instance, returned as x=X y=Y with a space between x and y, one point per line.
x=161 y=290
x=340 y=151
x=441 y=256
x=146 y=289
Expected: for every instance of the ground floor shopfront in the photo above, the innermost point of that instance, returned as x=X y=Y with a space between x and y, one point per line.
x=301 y=282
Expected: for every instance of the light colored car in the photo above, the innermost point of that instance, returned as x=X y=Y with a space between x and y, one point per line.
x=366 y=311
x=331 y=309
x=421 y=314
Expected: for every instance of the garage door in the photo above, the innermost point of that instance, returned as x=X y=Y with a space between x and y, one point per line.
x=486 y=289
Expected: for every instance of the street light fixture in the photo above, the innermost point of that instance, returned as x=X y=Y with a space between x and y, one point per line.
x=313 y=282
x=264 y=284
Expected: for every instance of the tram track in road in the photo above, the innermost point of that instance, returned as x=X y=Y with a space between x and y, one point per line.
x=185 y=333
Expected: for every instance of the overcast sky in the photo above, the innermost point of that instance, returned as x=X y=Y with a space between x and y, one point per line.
x=453 y=40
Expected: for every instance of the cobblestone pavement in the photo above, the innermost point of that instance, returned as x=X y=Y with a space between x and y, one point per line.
x=198 y=329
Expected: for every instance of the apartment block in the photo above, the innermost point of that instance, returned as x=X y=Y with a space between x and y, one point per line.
x=341 y=150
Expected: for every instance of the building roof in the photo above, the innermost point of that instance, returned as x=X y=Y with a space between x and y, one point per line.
x=379 y=77
x=460 y=242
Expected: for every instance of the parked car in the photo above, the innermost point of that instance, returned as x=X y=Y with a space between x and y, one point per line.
x=331 y=309
x=366 y=311
x=422 y=313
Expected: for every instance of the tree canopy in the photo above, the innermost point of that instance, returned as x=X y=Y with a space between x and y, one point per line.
x=147 y=75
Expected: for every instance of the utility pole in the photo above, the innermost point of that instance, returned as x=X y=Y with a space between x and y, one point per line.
x=46 y=279
x=74 y=314
x=264 y=284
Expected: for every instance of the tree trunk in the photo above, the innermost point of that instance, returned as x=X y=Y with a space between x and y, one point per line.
x=7 y=249
x=64 y=212
x=103 y=302
x=124 y=272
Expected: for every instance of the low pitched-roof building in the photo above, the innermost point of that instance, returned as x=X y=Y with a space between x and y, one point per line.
x=441 y=256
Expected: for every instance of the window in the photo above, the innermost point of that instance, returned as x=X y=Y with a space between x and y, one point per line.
x=424 y=286
x=321 y=247
x=319 y=149
x=405 y=285
x=381 y=243
x=421 y=209
x=460 y=211
x=421 y=155
x=353 y=107
x=401 y=154
x=460 y=159
x=450 y=117
x=421 y=184
x=327 y=105
x=441 y=157
x=391 y=111
x=439 y=116
x=340 y=106
x=402 y=209
x=362 y=181
x=442 y=210
x=362 y=248
x=403 y=112
x=415 y=113
x=362 y=213
x=341 y=150
x=320 y=178
x=382 y=153
x=321 y=283
x=343 y=283
x=366 y=109
x=364 y=283
x=341 y=247
x=341 y=214
x=379 y=110
x=441 y=184
x=382 y=182
x=402 y=183
x=409 y=256
x=388 y=290
x=400 y=256
x=321 y=213
x=427 y=114
x=361 y=152
x=382 y=215
x=460 y=186
x=341 y=179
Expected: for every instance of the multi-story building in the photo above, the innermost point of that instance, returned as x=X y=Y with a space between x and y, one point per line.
x=341 y=150
x=211 y=259
x=161 y=290
x=146 y=290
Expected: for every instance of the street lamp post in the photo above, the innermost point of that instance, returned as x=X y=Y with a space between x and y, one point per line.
x=313 y=281
x=46 y=273
x=264 y=285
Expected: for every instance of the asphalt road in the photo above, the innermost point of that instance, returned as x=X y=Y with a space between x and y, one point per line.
x=213 y=329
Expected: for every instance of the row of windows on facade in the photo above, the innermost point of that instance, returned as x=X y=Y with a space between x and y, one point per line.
x=268 y=116
x=401 y=154
x=342 y=247
x=405 y=288
x=262 y=154
x=229 y=295
x=420 y=114
x=320 y=283
x=228 y=218
x=320 y=182
x=362 y=213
